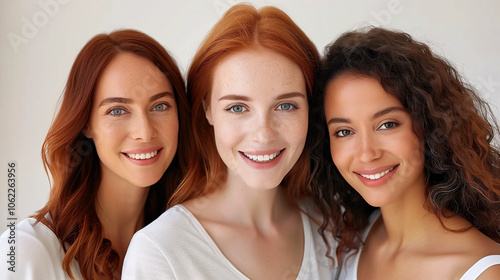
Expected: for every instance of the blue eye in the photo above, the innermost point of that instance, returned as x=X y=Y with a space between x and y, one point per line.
x=286 y=107
x=116 y=112
x=237 y=109
x=342 y=133
x=388 y=125
x=160 y=107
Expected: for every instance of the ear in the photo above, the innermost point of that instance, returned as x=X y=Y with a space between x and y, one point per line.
x=87 y=132
x=208 y=112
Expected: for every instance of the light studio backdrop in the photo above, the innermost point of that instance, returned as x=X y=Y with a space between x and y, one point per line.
x=39 y=40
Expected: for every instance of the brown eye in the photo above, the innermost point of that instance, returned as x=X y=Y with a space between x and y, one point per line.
x=388 y=125
x=343 y=133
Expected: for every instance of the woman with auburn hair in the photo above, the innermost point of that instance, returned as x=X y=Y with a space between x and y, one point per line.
x=113 y=155
x=413 y=189
x=238 y=213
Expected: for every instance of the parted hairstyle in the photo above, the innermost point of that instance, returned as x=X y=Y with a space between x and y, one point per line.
x=457 y=128
x=242 y=27
x=72 y=160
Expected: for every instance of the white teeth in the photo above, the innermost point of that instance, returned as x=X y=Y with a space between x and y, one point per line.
x=143 y=156
x=262 y=158
x=376 y=176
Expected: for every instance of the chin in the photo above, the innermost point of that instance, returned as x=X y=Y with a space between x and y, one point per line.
x=263 y=185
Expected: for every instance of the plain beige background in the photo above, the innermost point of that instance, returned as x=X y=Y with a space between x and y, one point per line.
x=39 y=39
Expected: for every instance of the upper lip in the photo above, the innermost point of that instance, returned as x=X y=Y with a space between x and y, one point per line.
x=375 y=170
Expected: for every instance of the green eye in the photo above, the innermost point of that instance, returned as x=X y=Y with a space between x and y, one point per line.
x=237 y=109
x=116 y=112
x=285 y=107
x=160 y=107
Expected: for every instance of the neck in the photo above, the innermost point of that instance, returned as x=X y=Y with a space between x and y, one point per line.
x=410 y=222
x=258 y=208
x=121 y=212
x=405 y=227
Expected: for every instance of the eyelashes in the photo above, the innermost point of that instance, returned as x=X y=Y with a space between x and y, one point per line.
x=118 y=111
x=340 y=133
x=237 y=108
x=240 y=108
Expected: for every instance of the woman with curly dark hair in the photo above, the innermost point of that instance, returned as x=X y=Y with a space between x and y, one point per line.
x=413 y=190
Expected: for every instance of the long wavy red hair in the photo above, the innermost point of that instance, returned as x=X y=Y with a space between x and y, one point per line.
x=242 y=27
x=72 y=160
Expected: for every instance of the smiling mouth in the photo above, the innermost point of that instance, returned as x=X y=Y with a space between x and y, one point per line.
x=143 y=156
x=377 y=175
x=262 y=158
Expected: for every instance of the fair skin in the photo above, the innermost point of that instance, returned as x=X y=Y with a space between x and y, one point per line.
x=376 y=150
x=258 y=109
x=134 y=126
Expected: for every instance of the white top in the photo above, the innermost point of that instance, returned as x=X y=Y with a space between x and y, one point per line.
x=350 y=271
x=176 y=246
x=38 y=254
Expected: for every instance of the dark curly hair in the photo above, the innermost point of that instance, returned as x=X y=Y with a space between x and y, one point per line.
x=462 y=163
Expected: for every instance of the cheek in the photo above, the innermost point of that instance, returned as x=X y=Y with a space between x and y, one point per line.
x=415 y=157
x=336 y=153
x=169 y=127
x=107 y=130
x=341 y=157
x=296 y=128
x=225 y=134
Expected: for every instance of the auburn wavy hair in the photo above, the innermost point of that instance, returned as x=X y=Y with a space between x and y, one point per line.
x=241 y=27
x=72 y=160
x=457 y=127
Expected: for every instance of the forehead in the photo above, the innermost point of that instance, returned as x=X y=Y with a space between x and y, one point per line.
x=257 y=70
x=352 y=93
x=131 y=75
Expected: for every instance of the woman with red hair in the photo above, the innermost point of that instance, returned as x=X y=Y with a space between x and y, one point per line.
x=113 y=155
x=241 y=211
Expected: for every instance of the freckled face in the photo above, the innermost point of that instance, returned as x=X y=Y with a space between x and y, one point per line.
x=133 y=122
x=259 y=111
x=373 y=144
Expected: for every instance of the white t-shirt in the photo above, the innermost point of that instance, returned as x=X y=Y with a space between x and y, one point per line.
x=38 y=253
x=350 y=270
x=176 y=246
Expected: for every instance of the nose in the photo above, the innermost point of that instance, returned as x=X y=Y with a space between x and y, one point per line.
x=143 y=128
x=368 y=147
x=264 y=127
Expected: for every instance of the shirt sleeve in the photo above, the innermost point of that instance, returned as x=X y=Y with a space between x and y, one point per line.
x=143 y=259
x=26 y=257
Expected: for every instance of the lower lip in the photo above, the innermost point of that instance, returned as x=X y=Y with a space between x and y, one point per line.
x=144 y=162
x=380 y=181
x=263 y=165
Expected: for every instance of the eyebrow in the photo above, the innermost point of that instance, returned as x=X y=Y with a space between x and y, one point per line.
x=376 y=115
x=128 y=101
x=246 y=98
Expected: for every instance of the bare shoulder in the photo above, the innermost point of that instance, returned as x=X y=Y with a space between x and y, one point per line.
x=482 y=244
x=479 y=246
x=199 y=206
x=492 y=273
